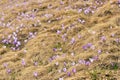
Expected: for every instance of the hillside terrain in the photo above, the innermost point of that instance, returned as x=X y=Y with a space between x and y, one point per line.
x=59 y=39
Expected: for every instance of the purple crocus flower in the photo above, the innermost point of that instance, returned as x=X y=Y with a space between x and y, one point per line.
x=64 y=69
x=8 y=71
x=117 y=40
x=53 y=57
x=99 y=51
x=73 y=63
x=35 y=63
x=13 y=48
x=50 y=59
x=19 y=43
x=87 y=63
x=56 y=63
x=5 y=65
x=87 y=11
x=59 y=71
x=95 y=57
x=72 y=41
x=81 y=61
x=79 y=36
x=54 y=49
x=61 y=79
x=84 y=47
x=64 y=37
x=4 y=41
x=62 y=26
x=88 y=45
x=79 y=10
x=60 y=49
x=23 y=62
x=68 y=74
x=103 y=38
x=74 y=70
x=61 y=2
x=118 y=1
x=65 y=63
x=81 y=21
x=112 y=34
x=35 y=74
x=58 y=31
x=25 y=51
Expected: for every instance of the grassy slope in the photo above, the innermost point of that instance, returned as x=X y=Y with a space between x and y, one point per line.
x=40 y=48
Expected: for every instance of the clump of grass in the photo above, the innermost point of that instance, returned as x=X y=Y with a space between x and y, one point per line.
x=58 y=45
x=94 y=75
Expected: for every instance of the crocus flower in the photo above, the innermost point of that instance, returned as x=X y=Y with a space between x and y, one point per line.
x=25 y=41
x=53 y=57
x=59 y=71
x=95 y=57
x=4 y=47
x=50 y=59
x=65 y=63
x=58 y=31
x=60 y=49
x=35 y=63
x=72 y=40
x=91 y=60
x=35 y=74
x=74 y=70
x=99 y=51
x=117 y=40
x=79 y=10
x=25 y=51
x=88 y=45
x=61 y=2
x=68 y=74
x=118 y=1
x=93 y=12
x=8 y=71
x=87 y=11
x=72 y=54
x=61 y=79
x=79 y=36
x=73 y=63
x=87 y=63
x=5 y=65
x=62 y=26
x=23 y=62
x=81 y=21
x=54 y=49
x=64 y=69
x=81 y=61
x=113 y=35
x=92 y=47
x=56 y=63
x=103 y=38
x=84 y=47
x=64 y=37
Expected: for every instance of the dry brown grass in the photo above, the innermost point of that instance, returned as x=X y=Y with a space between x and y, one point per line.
x=104 y=22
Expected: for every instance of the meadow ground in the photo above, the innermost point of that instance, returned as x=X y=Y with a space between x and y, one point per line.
x=59 y=40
